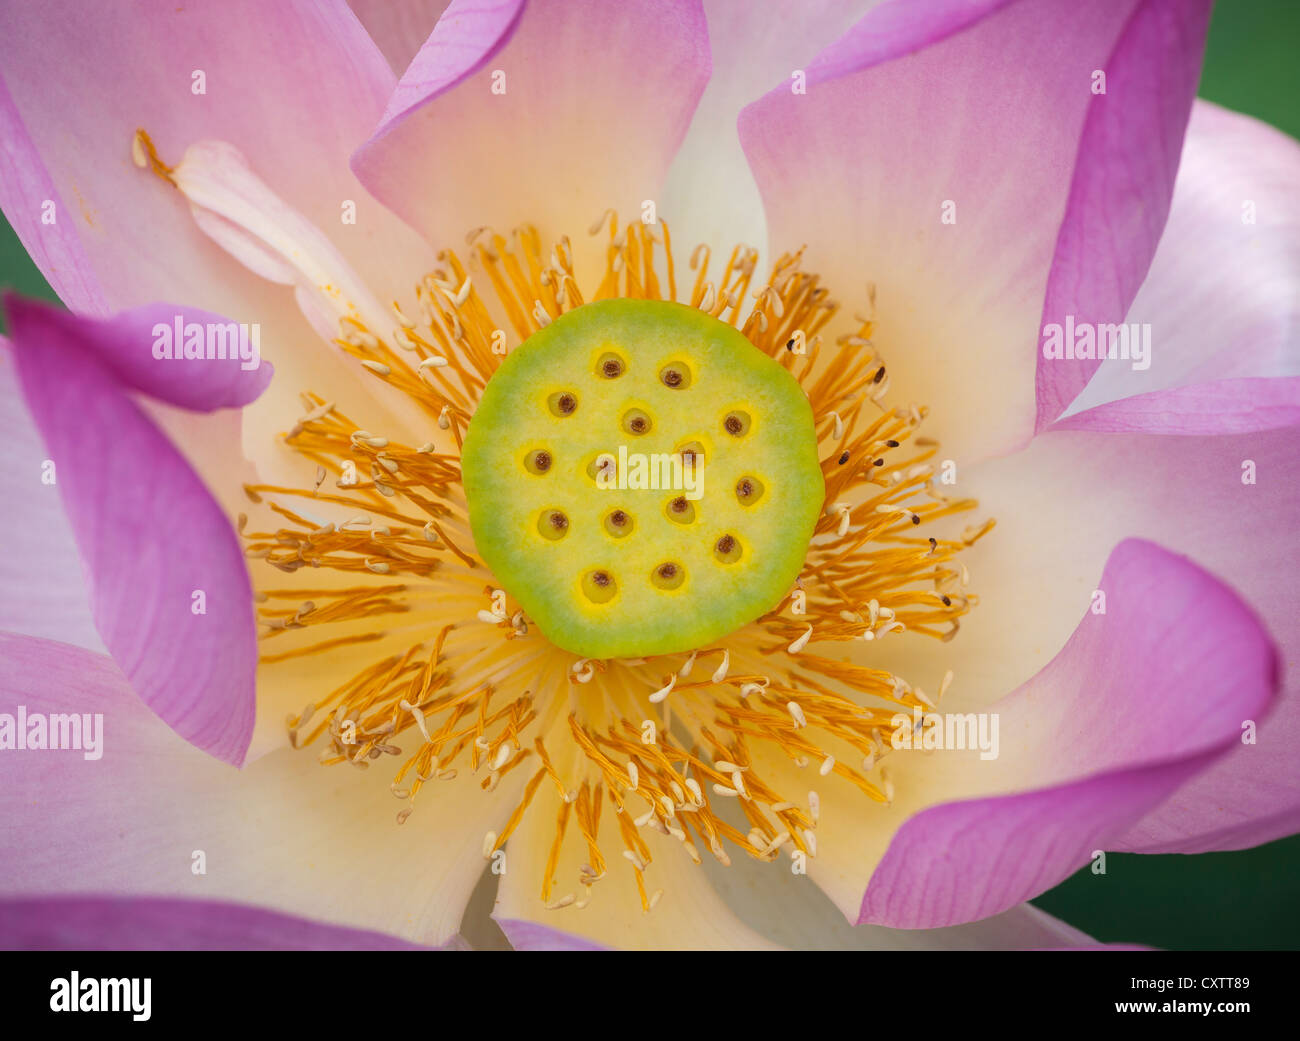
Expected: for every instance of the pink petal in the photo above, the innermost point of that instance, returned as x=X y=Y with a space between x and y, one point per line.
x=452 y=52
x=597 y=99
x=1061 y=505
x=1221 y=406
x=1140 y=699
x=986 y=106
x=149 y=533
x=32 y=204
x=294 y=86
x=40 y=571
x=125 y=346
x=1120 y=196
x=283 y=833
x=1222 y=299
x=110 y=923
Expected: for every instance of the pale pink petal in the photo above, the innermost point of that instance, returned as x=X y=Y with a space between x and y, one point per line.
x=982 y=113
x=108 y=923
x=249 y=220
x=1222 y=299
x=169 y=590
x=710 y=195
x=591 y=101
x=151 y=816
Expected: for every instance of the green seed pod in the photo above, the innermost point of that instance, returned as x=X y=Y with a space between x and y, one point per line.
x=642 y=479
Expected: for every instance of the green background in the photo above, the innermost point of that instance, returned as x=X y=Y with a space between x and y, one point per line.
x=1249 y=899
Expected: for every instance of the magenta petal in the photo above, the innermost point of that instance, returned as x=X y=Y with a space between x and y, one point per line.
x=939 y=152
x=1123 y=181
x=1221 y=303
x=1001 y=851
x=893 y=29
x=29 y=199
x=149 y=534
x=49 y=601
x=1138 y=701
x=472 y=35
x=108 y=923
x=1231 y=503
x=545 y=113
x=125 y=345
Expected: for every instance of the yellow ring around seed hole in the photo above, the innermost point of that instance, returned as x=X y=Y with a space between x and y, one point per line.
x=553 y=525
x=737 y=422
x=749 y=490
x=675 y=376
x=727 y=550
x=680 y=510
x=539 y=461
x=562 y=403
x=637 y=422
x=610 y=366
x=619 y=523
x=668 y=575
x=599 y=586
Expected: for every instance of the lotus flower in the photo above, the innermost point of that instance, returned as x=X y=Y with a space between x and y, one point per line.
x=326 y=721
